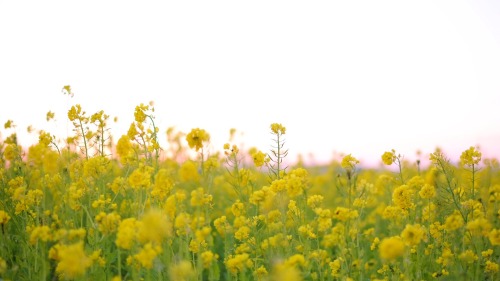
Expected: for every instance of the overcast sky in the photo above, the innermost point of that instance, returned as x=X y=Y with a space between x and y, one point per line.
x=358 y=77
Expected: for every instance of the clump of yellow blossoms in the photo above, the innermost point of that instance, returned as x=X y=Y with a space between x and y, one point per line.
x=391 y=248
x=470 y=156
x=278 y=129
x=196 y=138
x=72 y=261
x=389 y=157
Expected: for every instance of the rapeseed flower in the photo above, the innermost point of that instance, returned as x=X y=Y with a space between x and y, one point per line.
x=391 y=248
x=72 y=261
x=470 y=156
x=196 y=138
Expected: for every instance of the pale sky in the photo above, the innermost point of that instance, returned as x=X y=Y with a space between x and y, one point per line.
x=359 y=77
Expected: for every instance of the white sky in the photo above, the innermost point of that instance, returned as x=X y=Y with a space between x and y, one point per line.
x=357 y=77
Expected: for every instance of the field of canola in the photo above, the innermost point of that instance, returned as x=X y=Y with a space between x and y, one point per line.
x=73 y=210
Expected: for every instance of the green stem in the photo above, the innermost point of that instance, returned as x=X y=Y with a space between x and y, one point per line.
x=84 y=139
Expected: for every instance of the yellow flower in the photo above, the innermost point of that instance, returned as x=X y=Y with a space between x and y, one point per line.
x=260 y=273
x=40 y=233
x=427 y=191
x=154 y=227
x=8 y=124
x=75 y=112
x=343 y=214
x=259 y=158
x=147 y=255
x=196 y=138
x=4 y=217
x=207 y=258
x=126 y=233
x=491 y=267
x=468 y=256
x=141 y=177
x=349 y=162
x=479 y=227
x=454 y=221
x=50 y=115
x=238 y=208
x=335 y=266
x=402 y=197
x=494 y=237
x=413 y=234
x=188 y=171
x=391 y=248
x=182 y=271
x=278 y=129
x=389 y=157
x=284 y=272
x=470 y=156
x=487 y=254
x=163 y=184
x=314 y=201
x=296 y=260
x=107 y=223
x=242 y=233
x=73 y=262
x=237 y=263
x=139 y=114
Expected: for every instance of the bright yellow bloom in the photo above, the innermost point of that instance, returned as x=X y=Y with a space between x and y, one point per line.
x=468 y=256
x=182 y=271
x=391 y=248
x=50 y=115
x=207 y=258
x=139 y=112
x=296 y=261
x=4 y=217
x=141 y=177
x=479 y=227
x=259 y=158
x=237 y=263
x=491 y=267
x=343 y=214
x=494 y=237
x=41 y=233
x=107 y=223
x=9 y=124
x=389 y=157
x=189 y=171
x=260 y=273
x=402 y=196
x=196 y=138
x=154 y=227
x=446 y=258
x=314 y=201
x=73 y=262
x=487 y=254
x=126 y=233
x=454 y=221
x=283 y=272
x=470 y=156
x=182 y=224
x=349 y=162
x=147 y=255
x=238 y=208
x=427 y=191
x=242 y=233
x=413 y=234
x=278 y=129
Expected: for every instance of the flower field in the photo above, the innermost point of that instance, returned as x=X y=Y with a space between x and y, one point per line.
x=89 y=208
